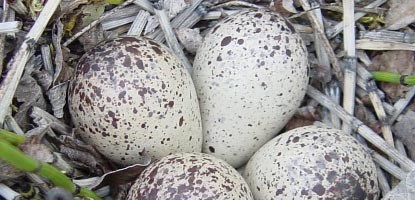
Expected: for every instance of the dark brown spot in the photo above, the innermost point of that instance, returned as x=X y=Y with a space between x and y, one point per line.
x=258 y=15
x=319 y=189
x=288 y=52
x=139 y=64
x=171 y=103
x=219 y=58
x=122 y=94
x=279 y=191
x=327 y=157
x=127 y=61
x=226 y=40
x=181 y=121
x=157 y=50
x=211 y=149
x=240 y=41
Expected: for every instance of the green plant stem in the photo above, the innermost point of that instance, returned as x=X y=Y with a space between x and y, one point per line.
x=18 y=159
x=393 y=78
x=11 y=137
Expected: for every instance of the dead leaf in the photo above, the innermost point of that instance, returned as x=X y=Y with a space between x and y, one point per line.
x=400 y=62
x=57 y=97
x=174 y=7
x=92 y=37
x=57 y=34
x=9 y=172
x=368 y=118
x=404 y=190
x=43 y=119
x=35 y=149
x=122 y=176
x=92 y=12
x=28 y=94
x=405 y=130
x=400 y=14
x=190 y=38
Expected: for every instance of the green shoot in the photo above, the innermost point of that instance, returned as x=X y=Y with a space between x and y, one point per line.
x=12 y=138
x=393 y=78
x=18 y=159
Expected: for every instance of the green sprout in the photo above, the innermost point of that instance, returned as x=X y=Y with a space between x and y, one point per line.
x=393 y=78
x=12 y=155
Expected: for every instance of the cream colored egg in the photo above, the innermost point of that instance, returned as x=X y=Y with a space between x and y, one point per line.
x=312 y=163
x=132 y=96
x=190 y=176
x=251 y=74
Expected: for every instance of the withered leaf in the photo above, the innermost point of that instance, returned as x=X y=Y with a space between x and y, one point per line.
x=400 y=14
x=122 y=176
x=405 y=130
x=9 y=172
x=57 y=97
x=404 y=190
x=190 y=38
x=34 y=148
x=28 y=94
x=57 y=35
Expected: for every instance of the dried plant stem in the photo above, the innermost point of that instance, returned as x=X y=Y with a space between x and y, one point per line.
x=171 y=37
x=8 y=193
x=389 y=166
x=94 y=23
x=332 y=32
x=145 y=4
x=237 y=3
x=380 y=112
x=10 y=27
x=16 y=65
x=324 y=41
x=362 y=129
x=390 y=36
x=322 y=56
x=366 y=10
x=383 y=181
x=349 y=87
x=189 y=12
x=139 y=22
x=333 y=91
x=383 y=45
x=401 y=104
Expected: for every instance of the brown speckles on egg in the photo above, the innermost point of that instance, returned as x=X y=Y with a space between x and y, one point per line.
x=248 y=64
x=314 y=168
x=189 y=176
x=226 y=40
x=116 y=89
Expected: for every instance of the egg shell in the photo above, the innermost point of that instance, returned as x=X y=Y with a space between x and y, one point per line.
x=190 y=176
x=132 y=96
x=251 y=74
x=312 y=163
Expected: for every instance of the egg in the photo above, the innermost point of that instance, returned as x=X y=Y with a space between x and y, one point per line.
x=312 y=163
x=190 y=176
x=131 y=96
x=251 y=74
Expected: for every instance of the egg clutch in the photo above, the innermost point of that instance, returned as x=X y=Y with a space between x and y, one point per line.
x=131 y=97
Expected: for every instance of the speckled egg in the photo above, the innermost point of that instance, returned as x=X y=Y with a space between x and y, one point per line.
x=312 y=163
x=190 y=176
x=132 y=96
x=251 y=74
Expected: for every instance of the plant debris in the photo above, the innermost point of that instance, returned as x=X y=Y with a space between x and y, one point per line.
x=42 y=41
